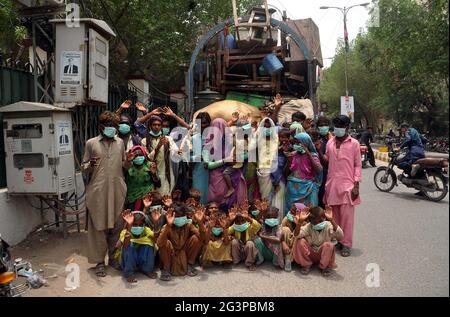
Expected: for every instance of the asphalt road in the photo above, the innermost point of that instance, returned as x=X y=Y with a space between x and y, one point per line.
x=404 y=236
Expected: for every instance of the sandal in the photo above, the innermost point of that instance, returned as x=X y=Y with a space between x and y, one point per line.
x=165 y=276
x=191 y=271
x=131 y=279
x=100 y=270
x=152 y=275
x=305 y=270
x=345 y=252
x=252 y=268
x=326 y=272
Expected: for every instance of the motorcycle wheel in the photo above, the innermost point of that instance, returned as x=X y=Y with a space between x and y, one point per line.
x=384 y=179
x=440 y=188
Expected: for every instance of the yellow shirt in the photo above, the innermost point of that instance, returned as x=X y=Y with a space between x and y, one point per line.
x=255 y=226
x=145 y=238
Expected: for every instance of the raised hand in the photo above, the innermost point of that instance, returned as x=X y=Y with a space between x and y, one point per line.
x=234 y=117
x=308 y=123
x=278 y=100
x=245 y=206
x=167 y=200
x=140 y=106
x=199 y=214
x=301 y=216
x=126 y=104
x=329 y=213
x=168 y=111
x=232 y=213
x=128 y=217
x=258 y=204
x=147 y=200
x=170 y=216
x=264 y=205
x=155 y=215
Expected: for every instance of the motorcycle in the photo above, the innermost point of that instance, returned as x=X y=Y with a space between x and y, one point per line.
x=8 y=274
x=430 y=179
x=364 y=155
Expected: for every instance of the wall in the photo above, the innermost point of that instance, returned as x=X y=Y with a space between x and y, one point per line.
x=18 y=218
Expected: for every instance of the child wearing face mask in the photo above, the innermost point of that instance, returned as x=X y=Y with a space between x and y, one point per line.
x=141 y=178
x=288 y=224
x=314 y=240
x=135 y=248
x=218 y=242
x=272 y=245
x=180 y=242
x=243 y=231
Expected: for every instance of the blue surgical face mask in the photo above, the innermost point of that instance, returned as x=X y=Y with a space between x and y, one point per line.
x=109 y=132
x=324 y=130
x=124 y=128
x=180 y=221
x=155 y=134
x=242 y=227
x=247 y=126
x=267 y=132
x=217 y=231
x=165 y=131
x=255 y=213
x=136 y=231
x=139 y=160
x=290 y=217
x=299 y=148
x=272 y=222
x=320 y=226
x=340 y=132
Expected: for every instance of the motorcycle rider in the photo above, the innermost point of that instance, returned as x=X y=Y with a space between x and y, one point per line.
x=366 y=139
x=415 y=144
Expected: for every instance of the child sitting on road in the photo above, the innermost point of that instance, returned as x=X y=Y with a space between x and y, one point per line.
x=218 y=242
x=136 y=247
x=244 y=230
x=313 y=244
x=272 y=245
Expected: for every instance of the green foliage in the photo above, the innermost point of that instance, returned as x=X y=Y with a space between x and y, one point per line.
x=398 y=71
x=159 y=35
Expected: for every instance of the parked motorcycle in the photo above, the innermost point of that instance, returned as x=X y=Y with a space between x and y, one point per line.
x=364 y=155
x=431 y=179
x=8 y=274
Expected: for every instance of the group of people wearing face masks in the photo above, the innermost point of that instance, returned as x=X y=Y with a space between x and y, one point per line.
x=294 y=202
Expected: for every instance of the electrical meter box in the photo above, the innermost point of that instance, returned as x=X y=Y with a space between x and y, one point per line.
x=81 y=62
x=39 y=149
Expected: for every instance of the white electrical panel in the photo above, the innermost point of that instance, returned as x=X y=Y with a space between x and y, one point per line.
x=81 y=62
x=39 y=149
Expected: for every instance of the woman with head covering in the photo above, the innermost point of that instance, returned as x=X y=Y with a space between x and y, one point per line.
x=200 y=174
x=216 y=153
x=415 y=147
x=161 y=149
x=267 y=140
x=306 y=173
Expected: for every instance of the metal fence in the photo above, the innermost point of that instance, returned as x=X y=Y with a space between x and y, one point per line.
x=15 y=85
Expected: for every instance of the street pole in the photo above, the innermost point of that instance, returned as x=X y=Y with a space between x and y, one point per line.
x=346 y=52
x=344 y=11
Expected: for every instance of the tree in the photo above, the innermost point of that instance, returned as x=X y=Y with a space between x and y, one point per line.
x=157 y=37
x=399 y=70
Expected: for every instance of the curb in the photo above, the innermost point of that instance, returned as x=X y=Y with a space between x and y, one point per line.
x=381 y=156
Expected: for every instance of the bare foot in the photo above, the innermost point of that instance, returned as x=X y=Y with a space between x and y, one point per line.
x=152 y=275
x=229 y=193
x=252 y=268
x=131 y=279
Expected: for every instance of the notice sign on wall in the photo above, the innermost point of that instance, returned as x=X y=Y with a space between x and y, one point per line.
x=348 y=107
x=64 y=146
x=71 y=68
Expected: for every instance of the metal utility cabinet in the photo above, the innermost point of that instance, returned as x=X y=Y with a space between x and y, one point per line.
x=82 y=62
x=39 y=149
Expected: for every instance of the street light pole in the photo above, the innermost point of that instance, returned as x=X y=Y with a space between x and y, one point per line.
x=344 y=11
